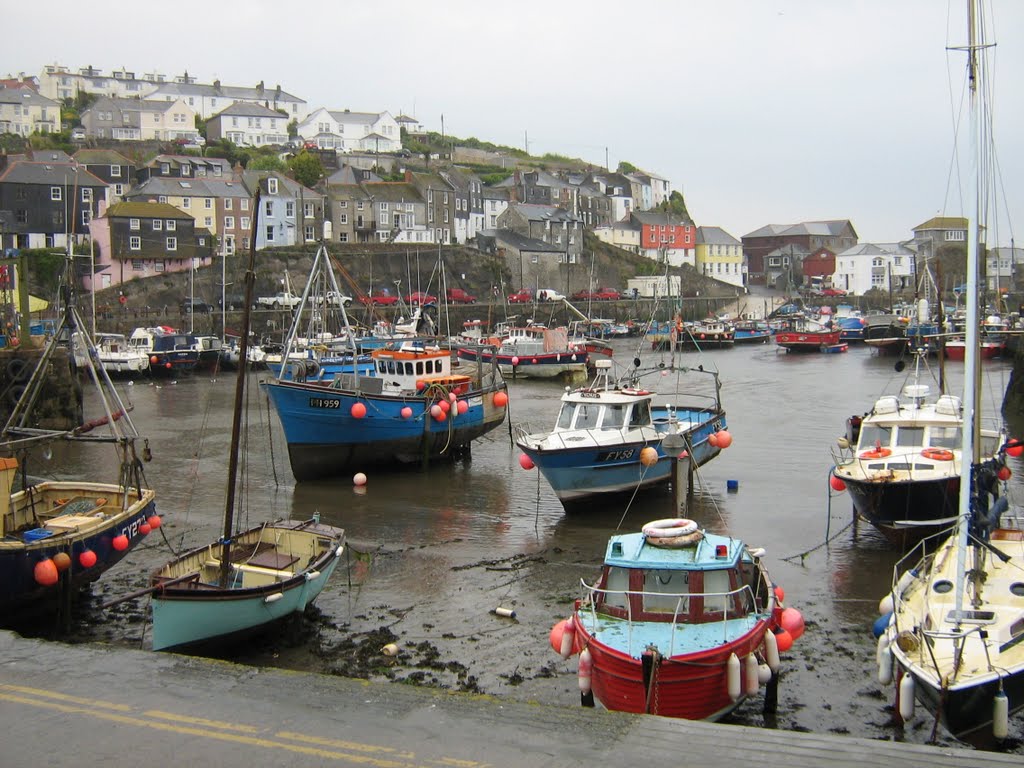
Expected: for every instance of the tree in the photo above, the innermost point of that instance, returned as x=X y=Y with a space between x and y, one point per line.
x=306 y=168
x=266 y=163
x=625 y=167
x=675 y=204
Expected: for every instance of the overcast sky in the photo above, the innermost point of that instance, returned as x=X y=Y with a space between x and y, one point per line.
x=758 y=111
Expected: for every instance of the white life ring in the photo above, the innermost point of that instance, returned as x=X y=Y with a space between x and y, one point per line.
x=669 y=528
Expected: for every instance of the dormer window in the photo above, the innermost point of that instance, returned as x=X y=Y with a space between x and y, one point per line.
x=272 y=186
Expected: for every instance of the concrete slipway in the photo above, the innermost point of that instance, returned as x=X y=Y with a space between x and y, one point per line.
x=64 y=705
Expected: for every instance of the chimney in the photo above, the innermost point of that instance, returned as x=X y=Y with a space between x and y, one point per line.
x=216 y=85
x=259 y=89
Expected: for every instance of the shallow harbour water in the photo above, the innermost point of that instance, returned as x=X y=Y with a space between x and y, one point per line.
x=433 y=554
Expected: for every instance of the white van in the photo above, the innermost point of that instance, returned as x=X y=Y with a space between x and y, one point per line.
x=549 y=294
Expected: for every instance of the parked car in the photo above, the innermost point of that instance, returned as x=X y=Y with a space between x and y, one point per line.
x=459 y=296
x=195 y=304
x=336 y=299
x=525 y=296
x=379 y=299
x=232 y=301
x=549 y=294
x=283 y=300
x=601 y=294
x=833 y=292
x=417 y=298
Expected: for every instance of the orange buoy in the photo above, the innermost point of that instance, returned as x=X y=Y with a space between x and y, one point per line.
x=724 y=439
x=1014 y=447
x=120 y=543
x=649 y=456
x=358 y=410
x=445 y=406
x=780 y=594
x=500 y=399
x=145 y=529
x=836 y=483
x=713 y=439
x=87 y=559
x=62 y=560
x=154 y=521
x=407 y=412
x=784 y=640
x=555 y=637
x=1004 y=473
x=462 y=406
x=525 y=461
x=442 y=416
x=46 y=573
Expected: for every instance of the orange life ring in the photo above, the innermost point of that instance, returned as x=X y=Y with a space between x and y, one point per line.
x=631 y=391
x=876 y=453
x=937 y=454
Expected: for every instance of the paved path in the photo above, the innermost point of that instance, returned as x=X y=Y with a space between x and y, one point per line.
x=65 y=705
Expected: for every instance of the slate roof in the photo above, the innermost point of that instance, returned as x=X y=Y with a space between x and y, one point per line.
x=25 y=96
x=393 y=192
x=715 y=236
x=661 y=219
x=101 y=157
x=877 y=249
x=50 y=174
x=362 y=118
x=521 y=242
x=534 y=212
x=161 y=185
x=348 y=174
x=237 y=92
x=943 y=222
x=247 y=109
x=833 y=227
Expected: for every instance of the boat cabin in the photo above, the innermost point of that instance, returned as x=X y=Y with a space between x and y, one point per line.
x=709 y=581
x=414 y=368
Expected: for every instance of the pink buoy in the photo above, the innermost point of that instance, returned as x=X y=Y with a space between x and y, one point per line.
x=462 y=406
x=793 y=622
x=586 y=669
x=452 y=397
x=358 y=410
x=359 y=479
x=445 y=406
x=420 y=385
x=525 y=461
x=145 y=529
x=407 y=412
x=435 y=410
x=515 y=360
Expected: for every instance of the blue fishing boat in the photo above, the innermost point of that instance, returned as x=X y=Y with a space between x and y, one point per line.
x=411 y=408
x=246 y=580
x=169 y=351
x=751 y=332
x=414 y=409
x=608 y=436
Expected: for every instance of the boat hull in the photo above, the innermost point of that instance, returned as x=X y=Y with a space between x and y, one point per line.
x=20 y=593
x=325 y=439
x=906 y=511
x=547 y=365
x=579 y=474
x=193 y=616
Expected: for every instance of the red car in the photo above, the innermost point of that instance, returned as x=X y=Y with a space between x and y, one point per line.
x=379 y=299
x=459 y=296
x=418 y=298
x=525 y=296
x=833 y=292
x=601 y=294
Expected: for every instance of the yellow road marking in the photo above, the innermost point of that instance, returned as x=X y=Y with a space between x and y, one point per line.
x=65 y=698
x=252 y=741
x=200 y=721
x=342 y=744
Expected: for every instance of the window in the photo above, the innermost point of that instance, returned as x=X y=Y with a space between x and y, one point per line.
x=208 y=221
x=119 y=189
x=158 y=224
x=133 y=224
x=172 y=243
x=138 y=265
x=227 y=203
x=229 y=222
x=270 y=233
x=245 y=222
x=55 y=193
x=208 y=203
x=171 y=225
x=135 y=243
x=86 y=217
x=289 y=209
x=86 y=194
x=342 y=204
x=159 y=266
x=272 y=186
x=268 y=208
x=343 y=218
x=162 y=199
x=245 y=203
x=186 y=202
x=343 y=237
x=359 y=205
x=958 y=236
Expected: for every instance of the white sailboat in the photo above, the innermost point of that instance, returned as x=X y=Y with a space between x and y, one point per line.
x=955 y=639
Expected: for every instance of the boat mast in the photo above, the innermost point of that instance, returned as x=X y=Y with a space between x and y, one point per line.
x=236 y=419
x=972 y=391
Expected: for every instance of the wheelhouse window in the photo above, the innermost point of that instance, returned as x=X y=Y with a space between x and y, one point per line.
x=910 y=437
x=945 y=437
x=875 y=434
x=614 y=416
x=666 y=591
x=616 y=584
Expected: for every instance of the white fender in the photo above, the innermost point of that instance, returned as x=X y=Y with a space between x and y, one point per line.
x=751 y=675
x=886 y=605
x=907 y=697
x=1000 y=715
x=732 y=676
x=771 y=651
x=586 y=668
x=764 y=674
x=884 y=656
x=568 y=635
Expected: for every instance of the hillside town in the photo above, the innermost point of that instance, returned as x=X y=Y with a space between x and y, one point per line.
x=137 y=171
